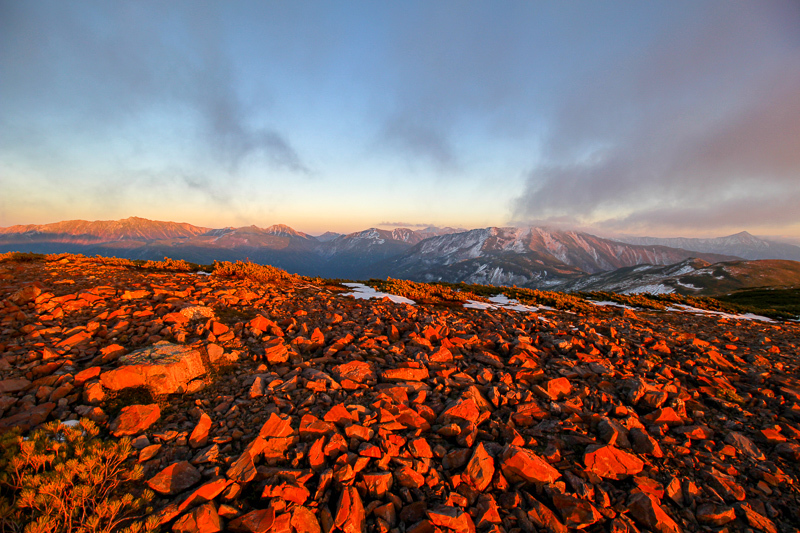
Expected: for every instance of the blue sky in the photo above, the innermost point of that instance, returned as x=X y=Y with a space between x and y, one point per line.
x=661 y=118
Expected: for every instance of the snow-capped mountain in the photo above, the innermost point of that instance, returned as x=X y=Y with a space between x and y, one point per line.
x=533 y=257
x=741 y=244
x=525 y=256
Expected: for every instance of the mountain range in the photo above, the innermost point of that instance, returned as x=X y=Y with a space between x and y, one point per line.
x=741 y=244
x=530 y=256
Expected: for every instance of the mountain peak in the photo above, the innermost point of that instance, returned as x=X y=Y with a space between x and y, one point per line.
x=283 y=229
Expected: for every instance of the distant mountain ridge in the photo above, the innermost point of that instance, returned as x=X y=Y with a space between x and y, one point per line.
x=741 y=244
x=524 y=256
x=83 y=231
x=691 y=277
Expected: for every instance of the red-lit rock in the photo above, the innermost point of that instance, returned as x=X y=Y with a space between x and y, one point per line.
x=135 y=419
x=175 y=478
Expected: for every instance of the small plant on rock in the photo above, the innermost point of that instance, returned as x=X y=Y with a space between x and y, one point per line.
x=63 y=479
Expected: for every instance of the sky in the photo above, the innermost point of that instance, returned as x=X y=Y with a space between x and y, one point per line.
x=662 y=118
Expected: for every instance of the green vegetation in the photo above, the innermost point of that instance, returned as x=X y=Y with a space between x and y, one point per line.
x=644 y=301
x=168 y=265
x=253 y=272
x=20 y=257
x=730 y=396
x=171 y=265
x=442 y=292
x=66 y=480
x=424 y=292
x=775 y=303
x=661 y=301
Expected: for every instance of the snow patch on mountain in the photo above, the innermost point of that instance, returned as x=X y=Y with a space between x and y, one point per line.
x=658 y=288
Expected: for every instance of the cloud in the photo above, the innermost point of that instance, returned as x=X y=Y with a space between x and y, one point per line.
x=234 y=140
x=697 y=131
x=766 y=210
x=404 y=224
x=126 y=76
x=419 y=141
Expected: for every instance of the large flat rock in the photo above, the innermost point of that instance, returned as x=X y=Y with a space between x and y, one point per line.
x=164 y=368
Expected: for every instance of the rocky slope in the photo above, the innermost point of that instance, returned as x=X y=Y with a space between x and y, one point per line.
x=293 y=407
x=691 y=277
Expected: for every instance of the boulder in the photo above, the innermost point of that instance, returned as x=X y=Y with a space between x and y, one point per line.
x=164 y=368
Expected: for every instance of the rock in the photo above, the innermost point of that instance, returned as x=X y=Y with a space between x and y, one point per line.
x=199 y=436
x=558 y=388
x=744 y=445
x=407 y=477
x=716 y=515
x=613 y=433
x=29 y=418
x=439 y=418
x=462 y=411
x=646 y=511
x=420 y=448
x=304 y=521
x=404 y=374
x=148 y=452
x=198 y=312
x=164 y=368
x=357 y=371
x=135 y=419
x=576 y=513
x=25 y=295
x=520 y=464
x=451 y=518
x=288 y=491
x=480 y=468
x=643 y=443
x=258 y=521
x=257 y=388
x=544 y=518
x=243 y=469
x=276 y=351
x=725 y=485
x=94 y=394
x=202 y=519
x=175 y=478
x=611 y=462
x=350 y=512
x=666 y=415
x=378 y=484
x=755 y=519
x=14 y=385
x=218 y=357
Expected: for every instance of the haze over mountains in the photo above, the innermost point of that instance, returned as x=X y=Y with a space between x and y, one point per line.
x=741 y=244
x=533 y=257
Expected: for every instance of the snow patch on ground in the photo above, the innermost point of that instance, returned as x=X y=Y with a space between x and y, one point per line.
x=362 y=292
x=502 y=301
x=690 y=309
x=610 y=304
x=472 y=304
x=688 y=286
